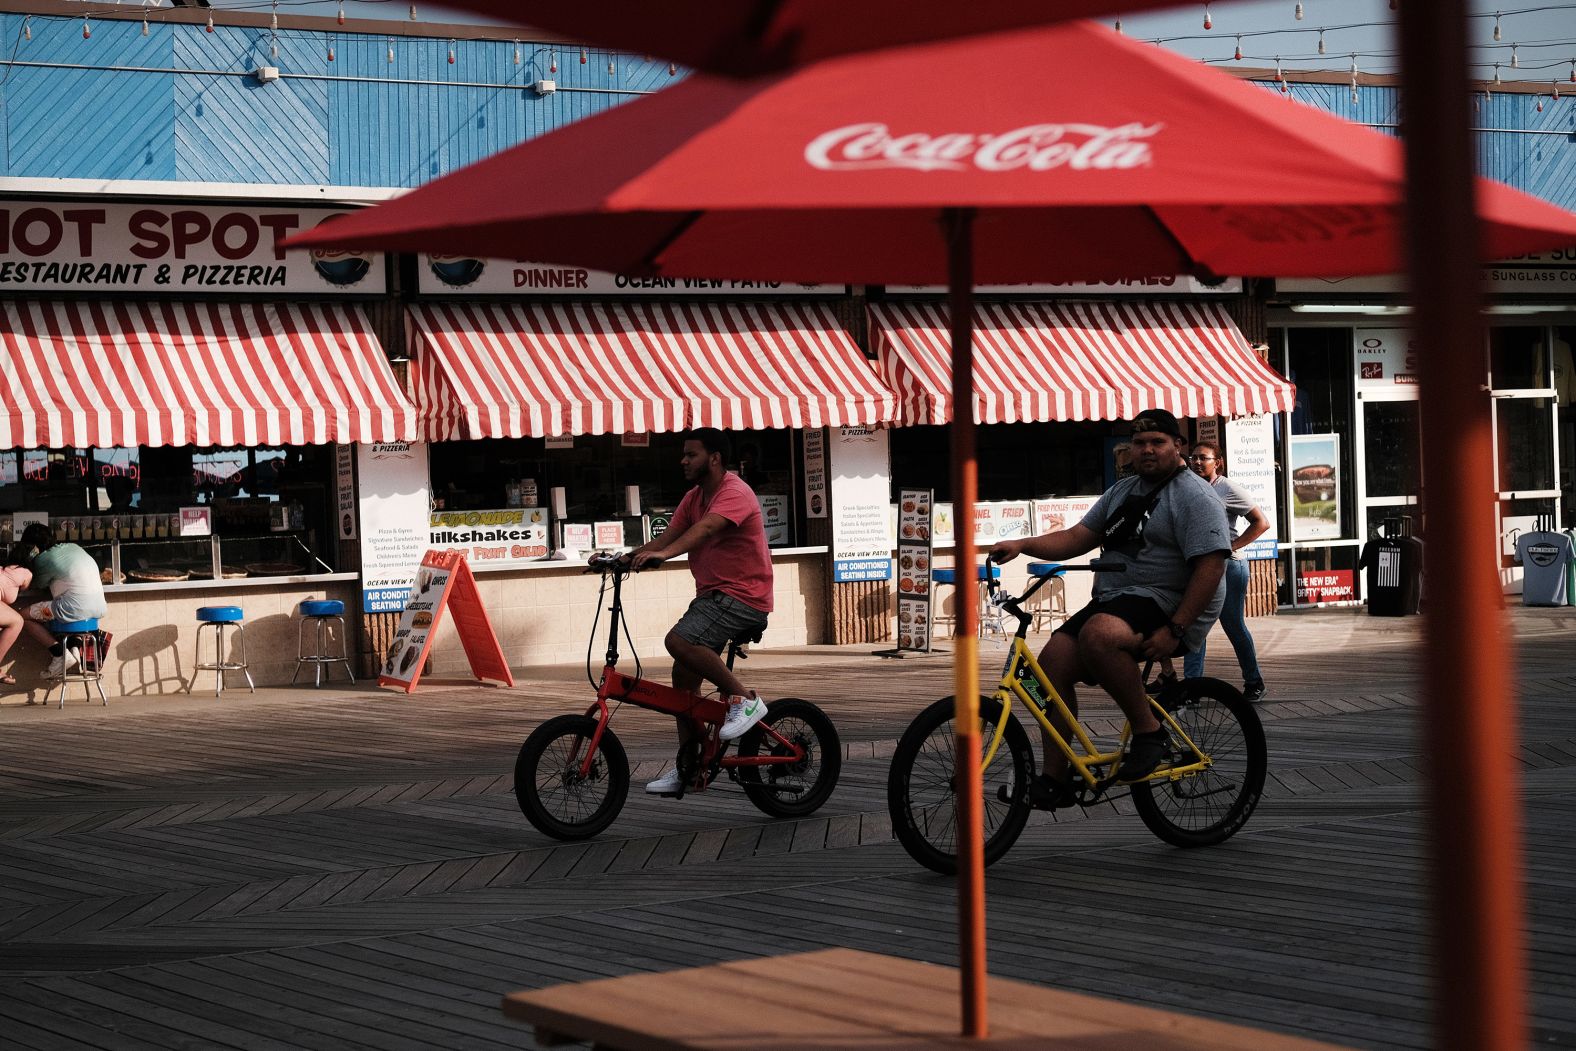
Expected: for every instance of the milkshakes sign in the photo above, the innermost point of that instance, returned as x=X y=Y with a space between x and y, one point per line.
x=1037 y=147
x=173 y=248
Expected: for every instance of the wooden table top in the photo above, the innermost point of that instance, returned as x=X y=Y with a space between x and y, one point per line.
x=843 y=998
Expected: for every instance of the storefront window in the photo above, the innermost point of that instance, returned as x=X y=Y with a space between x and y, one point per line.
x=1319 y=362
x=270 y=508
x=1517 y=517
x=595 y=472
x=1017 y=461
x=1519 y=357
x=1322 y=574
x=1525 y=428
x=1393 y=437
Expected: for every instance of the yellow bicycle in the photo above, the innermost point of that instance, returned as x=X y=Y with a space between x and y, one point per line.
x=1202 y=796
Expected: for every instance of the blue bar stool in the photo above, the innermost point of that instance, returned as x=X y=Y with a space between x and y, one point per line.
x=223 y=620
x=1050 y=601
x=989 y=615
x=322 y=614
x=79 y=638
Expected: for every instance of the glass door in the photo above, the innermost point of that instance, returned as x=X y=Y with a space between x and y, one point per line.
x=1390 y=448
x=1526 y=452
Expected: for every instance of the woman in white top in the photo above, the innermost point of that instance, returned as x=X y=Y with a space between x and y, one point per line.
x=1208 y=464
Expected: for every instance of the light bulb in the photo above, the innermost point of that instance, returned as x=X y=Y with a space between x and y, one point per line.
x=144 y=27
x=341 y=16
x=413 y=12
x=552 y=67
x=391 y=54
x=517 y=52
x=1118 y=26
x=1496 y=74
x=209 y=27
x=1299 y=12
x=331 y=53
x=87 y=31
x=1209 y=23
x=27 y=31
x=451 y=54
x=582 y=56
x=1515 y=59
x=1321 y=41
x=273 y=47
x=273 y=18
x=1496 y=25
x=1238 y=53
x=611 y=69
x=673 y=67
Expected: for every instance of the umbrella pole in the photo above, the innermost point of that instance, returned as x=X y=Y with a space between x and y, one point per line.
x=1469 y=716
x=958 y=224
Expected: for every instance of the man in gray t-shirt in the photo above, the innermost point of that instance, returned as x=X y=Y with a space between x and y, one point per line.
x=1167 y=527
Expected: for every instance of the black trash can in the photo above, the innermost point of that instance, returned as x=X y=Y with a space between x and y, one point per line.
x=1394 y=564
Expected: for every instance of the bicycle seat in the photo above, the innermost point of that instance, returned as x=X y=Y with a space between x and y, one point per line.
x=1047 y=569
x=746 y=637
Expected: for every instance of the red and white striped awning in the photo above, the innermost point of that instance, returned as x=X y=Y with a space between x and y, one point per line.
x=1043 y=361
x=535 y=369
x=226 y=374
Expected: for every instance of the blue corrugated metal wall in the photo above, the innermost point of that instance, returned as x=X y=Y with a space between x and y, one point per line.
x=346 y=123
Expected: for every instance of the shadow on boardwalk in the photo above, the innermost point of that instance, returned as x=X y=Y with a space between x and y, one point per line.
x=347 y=868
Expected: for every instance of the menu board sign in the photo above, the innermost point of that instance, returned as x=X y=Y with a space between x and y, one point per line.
x=815 y=473
x=444 y=582
x=394 y=527
x=860 y=495
x=494 y=538
x=913 y=568
x=1007 y=520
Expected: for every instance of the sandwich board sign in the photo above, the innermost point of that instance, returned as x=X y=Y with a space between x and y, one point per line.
x=444 y=582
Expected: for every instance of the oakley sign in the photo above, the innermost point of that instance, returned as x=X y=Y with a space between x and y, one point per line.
x=1037 y=147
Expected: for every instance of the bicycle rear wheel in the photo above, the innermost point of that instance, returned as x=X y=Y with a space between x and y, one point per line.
x=1199 y=810
x=548 y=784
x=922 y=786
x=798 y=789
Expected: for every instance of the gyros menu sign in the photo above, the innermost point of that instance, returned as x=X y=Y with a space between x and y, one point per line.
x=173 y=248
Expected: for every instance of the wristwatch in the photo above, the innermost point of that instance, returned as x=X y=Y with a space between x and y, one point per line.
x=1177 y=630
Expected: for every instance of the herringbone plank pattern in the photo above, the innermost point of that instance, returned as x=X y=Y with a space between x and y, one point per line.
x=349 y=869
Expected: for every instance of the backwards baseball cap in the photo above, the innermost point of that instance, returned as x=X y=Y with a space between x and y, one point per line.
x=1157 y=420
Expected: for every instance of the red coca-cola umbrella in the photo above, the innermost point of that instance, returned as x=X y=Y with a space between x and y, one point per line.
x=1058 y=153
x=1082 y=154
x=748 y=37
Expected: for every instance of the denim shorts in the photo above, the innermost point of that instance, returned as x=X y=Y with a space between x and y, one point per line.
x=1143 y=614
x=714 y=618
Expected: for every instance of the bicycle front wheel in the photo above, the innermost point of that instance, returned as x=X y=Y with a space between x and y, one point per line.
x=553 y=793
x=922 y=786
x=800 y=788
x=1199 y=810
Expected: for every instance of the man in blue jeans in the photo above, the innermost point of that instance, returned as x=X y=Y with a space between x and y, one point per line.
x=1208 y=464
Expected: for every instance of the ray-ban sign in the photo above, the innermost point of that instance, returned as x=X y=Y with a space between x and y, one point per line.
x=1037 y=147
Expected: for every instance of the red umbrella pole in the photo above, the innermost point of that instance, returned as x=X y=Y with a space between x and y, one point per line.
x=959 y=226
x=1469 y=718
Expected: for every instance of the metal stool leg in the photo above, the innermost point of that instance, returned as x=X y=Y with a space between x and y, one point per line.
x=344 y=648
x=246 y=667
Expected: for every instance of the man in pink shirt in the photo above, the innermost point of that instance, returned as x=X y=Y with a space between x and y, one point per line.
x=718 y=524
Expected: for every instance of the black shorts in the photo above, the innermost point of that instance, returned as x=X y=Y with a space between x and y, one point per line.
x=1144 y=615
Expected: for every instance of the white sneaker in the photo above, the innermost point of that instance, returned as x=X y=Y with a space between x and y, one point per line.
x=58 y=666
x=743 y=713
x=666 y=785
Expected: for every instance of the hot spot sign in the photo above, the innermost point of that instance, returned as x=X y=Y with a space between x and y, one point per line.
x=185 y=248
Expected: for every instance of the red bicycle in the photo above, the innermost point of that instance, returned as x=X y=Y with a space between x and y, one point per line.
x=572 y=776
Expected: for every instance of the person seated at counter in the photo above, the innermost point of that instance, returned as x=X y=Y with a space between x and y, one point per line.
x=76 y=592
x=14 y=579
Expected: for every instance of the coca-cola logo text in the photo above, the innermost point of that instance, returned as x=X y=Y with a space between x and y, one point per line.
x=1037 y=147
